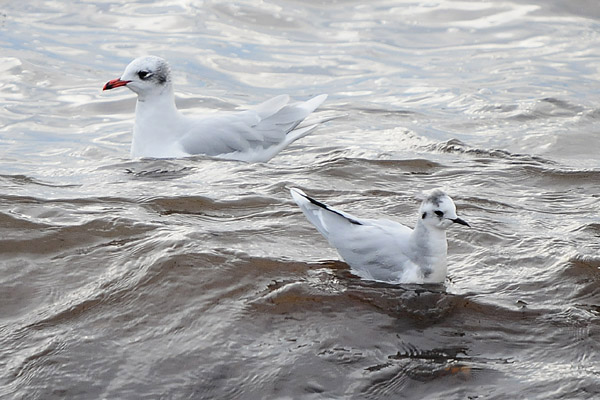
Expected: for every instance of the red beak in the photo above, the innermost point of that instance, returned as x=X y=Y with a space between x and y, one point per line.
x=114 y=84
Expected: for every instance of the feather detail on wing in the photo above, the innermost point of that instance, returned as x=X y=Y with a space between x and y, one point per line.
x=326 y=219
x=252 y=135
x=373 y=248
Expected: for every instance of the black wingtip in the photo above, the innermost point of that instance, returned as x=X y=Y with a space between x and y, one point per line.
x=326 y=207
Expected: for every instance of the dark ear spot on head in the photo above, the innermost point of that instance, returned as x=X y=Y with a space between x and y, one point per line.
x=161 y=78
x=424 y=215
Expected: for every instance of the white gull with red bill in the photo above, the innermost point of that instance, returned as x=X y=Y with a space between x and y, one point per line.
x=162 y=131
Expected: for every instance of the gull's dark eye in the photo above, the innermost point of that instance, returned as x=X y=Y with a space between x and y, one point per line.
x=439 y=213
x=143 y=74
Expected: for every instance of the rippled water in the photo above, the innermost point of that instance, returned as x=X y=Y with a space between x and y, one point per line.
x=197 y=278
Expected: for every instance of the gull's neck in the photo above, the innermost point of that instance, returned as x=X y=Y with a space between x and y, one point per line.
x=430 y=247
x=156 y=123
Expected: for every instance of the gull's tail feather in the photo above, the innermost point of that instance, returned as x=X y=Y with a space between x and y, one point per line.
x=323 y=217
x=284 y=125
x=272 y=106
x=320 y=118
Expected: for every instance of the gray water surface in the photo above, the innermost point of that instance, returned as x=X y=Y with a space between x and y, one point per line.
x=200 y=279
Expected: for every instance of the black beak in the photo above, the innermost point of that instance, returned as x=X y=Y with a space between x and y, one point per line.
x=460 y=221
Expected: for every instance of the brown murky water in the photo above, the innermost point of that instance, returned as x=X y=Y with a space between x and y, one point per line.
x=200 y=279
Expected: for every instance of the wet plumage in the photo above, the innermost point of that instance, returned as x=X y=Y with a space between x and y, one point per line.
x=384 y=250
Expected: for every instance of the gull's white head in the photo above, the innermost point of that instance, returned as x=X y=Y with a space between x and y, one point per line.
x=146 y=76
x=438 y=211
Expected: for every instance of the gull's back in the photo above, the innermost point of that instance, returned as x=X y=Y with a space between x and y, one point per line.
x=375 y=249
x=254 y=135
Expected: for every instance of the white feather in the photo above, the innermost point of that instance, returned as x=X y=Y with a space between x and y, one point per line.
x=254 y=135
x=385 y=250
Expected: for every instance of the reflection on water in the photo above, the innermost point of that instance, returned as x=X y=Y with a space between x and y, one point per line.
x=198 y=278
